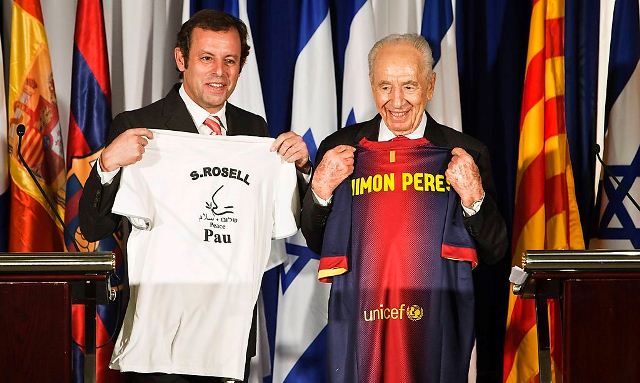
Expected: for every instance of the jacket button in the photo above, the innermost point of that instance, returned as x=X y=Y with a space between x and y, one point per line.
x=96 y=201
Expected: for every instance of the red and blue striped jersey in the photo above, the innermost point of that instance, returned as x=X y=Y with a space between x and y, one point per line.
x=400 y=259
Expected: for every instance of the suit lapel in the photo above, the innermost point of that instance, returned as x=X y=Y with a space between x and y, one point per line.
x=433 y=133
x=232 y=122
x=369 y=130
x=176 y=113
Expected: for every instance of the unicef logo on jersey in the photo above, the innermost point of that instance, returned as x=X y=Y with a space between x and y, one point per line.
x=415 y=312
x=411 y=312
x=217 y=217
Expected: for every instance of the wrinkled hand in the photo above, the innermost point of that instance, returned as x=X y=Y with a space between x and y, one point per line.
x=126 y=149
x=292 y=148
x=336 y=165
x=464 y=176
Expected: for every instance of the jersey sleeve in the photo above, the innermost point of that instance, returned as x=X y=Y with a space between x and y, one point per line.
x=457 y=243
x=287 y=202
x=337 y=235
x=133 y=199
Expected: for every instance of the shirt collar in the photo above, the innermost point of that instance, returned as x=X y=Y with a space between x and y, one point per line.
x=385 y=134
x=198 y=113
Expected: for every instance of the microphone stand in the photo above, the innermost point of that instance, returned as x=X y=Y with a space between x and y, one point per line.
x=20 y=130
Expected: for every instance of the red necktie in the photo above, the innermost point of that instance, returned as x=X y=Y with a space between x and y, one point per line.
x=214 y=123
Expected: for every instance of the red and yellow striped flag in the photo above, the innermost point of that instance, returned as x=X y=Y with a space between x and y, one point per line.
x=546 y=214
x=32 y=102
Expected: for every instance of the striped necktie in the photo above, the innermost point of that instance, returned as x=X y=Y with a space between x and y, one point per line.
x=214 y=123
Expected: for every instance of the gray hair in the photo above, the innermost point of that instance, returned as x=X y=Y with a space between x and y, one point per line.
x=413 y=39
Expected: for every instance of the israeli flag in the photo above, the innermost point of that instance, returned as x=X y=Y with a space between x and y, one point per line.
x=300 y=350
x=619 y=225
x=248 y=92
x=439 y=28
x=357 y=100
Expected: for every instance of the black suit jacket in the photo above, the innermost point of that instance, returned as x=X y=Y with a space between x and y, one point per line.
x=487 y=227
x=170 y=113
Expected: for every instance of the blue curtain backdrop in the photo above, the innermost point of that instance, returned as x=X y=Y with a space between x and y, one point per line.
x=581 y=70
x=492 y=50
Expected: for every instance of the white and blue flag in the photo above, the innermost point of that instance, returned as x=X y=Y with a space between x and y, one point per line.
x=300 y=352
x=357 y=100
x=439 y=28
x=619 y=224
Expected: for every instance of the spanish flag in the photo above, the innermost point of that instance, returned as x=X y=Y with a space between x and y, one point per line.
x=32 y=102
x=546 y=214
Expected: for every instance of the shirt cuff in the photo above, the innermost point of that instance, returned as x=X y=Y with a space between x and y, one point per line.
x=306 y=177
x=474 y=209
x=320 y=201
x=105 y=177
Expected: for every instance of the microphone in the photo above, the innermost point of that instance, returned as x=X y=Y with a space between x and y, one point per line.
x=111 y=291
x=20 y=130
x=596 y=149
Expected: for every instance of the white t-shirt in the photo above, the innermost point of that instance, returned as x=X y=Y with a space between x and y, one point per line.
x=204 y=209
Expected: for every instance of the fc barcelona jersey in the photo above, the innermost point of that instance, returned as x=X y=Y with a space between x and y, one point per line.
x=400 y=259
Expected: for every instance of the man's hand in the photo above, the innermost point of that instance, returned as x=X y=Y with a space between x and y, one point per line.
x=336 y=165
x=293 y=149
x=464 y=176
x=126 y=149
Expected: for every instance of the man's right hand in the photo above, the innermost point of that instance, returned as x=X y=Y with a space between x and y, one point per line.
x=126 y=149
x=335 y=167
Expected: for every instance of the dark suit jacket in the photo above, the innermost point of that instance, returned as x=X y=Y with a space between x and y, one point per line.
x=487 y=227
x=170 y=113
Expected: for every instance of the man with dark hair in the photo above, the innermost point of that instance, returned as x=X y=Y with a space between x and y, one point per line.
x=210 y=52
x=213 y=21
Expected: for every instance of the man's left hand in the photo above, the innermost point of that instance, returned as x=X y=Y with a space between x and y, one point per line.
x=293 y=149
x=464 y=176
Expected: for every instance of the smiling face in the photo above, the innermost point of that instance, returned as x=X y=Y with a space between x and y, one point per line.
x=211 y=71
x=401 y=86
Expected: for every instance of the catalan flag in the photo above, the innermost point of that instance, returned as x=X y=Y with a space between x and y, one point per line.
x=88 y=125
x=32 y=102
x=546 y=214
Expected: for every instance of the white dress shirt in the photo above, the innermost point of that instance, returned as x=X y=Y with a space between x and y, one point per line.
x=197 y=113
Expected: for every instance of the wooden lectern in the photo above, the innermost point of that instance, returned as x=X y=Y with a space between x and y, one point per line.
x=36 y=293
x=599 y=296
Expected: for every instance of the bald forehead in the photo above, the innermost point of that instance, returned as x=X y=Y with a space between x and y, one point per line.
x=394 y=54
x=397 y=48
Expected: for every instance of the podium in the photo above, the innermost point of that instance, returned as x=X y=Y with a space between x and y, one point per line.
x=36 y=293
x=599 y=296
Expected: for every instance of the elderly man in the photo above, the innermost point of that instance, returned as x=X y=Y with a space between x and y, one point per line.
x=172 y=332
x=420 y=212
